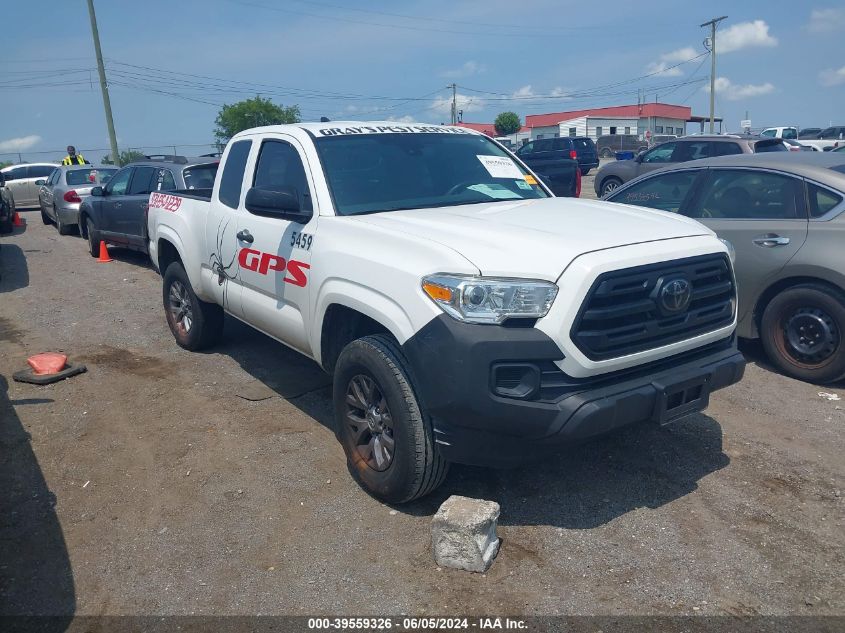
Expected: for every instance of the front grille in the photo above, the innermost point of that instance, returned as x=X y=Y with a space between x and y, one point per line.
x=624 y=314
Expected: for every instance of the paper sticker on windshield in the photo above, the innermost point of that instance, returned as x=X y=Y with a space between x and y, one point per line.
x=531 y=180
x=522 y=184
x=500 y=166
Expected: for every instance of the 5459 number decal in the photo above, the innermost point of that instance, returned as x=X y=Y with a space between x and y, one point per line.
x=301 y=240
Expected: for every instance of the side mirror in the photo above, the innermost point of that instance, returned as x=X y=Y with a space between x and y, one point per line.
x=97 y=191
x=282 y=203
x=41 y=182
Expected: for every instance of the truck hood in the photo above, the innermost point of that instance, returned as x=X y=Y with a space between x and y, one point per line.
x=535 y=238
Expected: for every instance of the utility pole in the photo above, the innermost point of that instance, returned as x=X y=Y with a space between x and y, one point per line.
x=712 y=24
x=454 y=88
x=103 y=85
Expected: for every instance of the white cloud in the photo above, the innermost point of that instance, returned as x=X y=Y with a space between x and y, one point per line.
x=19 y=144
x=832 y=76
x=524 y=92
x=443 y=105
x=744 y=35
x=735 y=92
x=560 y=92
x=826 y=21
x=466 y=70
x=402 y=119
x=663 y=64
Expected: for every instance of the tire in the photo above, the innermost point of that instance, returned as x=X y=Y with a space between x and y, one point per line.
x=91 y=235
x=803 y=333
x=415 y=467
x=44 y=217
x=606 y=152
x=584 y=172
x=195 y=324
x=61 y=227
x=609 y=184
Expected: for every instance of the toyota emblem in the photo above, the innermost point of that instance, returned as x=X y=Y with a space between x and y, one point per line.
x=675 y=295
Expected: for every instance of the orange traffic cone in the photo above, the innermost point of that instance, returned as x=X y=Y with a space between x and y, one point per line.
x=17 y=221
x=104 y=254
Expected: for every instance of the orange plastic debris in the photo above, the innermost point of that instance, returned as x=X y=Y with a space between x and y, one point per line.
x=47 y=363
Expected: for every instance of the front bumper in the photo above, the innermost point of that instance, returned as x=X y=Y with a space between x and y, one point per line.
x=453 y=369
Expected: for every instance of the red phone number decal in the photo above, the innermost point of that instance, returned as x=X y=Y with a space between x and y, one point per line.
x=165 y=201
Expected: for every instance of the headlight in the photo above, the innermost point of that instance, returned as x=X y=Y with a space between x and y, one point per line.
x=731 y=250
x=489 y=300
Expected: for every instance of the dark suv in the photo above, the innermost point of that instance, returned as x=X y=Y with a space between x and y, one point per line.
x=117 y=213
x=615 y=173
x=579 y=148
x=609 y=144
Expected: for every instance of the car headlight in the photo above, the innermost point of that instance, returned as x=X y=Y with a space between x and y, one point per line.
x=488 y=299
x=731 y=250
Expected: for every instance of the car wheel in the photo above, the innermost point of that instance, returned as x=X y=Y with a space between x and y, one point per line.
x=61 y=227
x=195 y=324
x=609 y=184
x=606 y=152
x=584 y=172
x=385 y=434
x=91 y=234
x=803 y=333
x=44 y=217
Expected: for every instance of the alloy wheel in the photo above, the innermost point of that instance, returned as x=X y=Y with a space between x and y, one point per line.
x=370 y=422
x=180 y=306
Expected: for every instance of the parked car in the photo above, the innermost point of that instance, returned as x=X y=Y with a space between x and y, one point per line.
x=466 y=314
x=609 y=144
x=579 y=148
x=841 y=148
x=785 y=217
x=7 y=206
x=554 y=165
x=780 y=132
x=809 y=132
x=657 y=139
x=20 y=179
x=117 y=212
x=827 y=139
x=794 y=146
x=60 y=195
x=615 y=174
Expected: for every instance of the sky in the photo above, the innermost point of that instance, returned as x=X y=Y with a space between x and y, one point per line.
x=171 y=64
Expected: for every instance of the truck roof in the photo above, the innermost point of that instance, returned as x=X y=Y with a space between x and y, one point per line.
x=358 y=127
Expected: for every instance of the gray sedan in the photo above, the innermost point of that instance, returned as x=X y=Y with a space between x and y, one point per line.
x=784 y=214
x=60 y=195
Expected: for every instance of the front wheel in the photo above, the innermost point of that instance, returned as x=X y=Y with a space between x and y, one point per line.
x=89 y=231
x=195 y=324
x=803 y=333
x=44 y=217
x=387 y=438
x=609 y=184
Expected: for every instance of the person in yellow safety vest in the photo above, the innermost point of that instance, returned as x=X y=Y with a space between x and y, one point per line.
x=73 y=158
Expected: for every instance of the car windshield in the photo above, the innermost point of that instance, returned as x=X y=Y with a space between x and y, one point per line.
x=392 y=171
x=200 y=176
x=89 y=176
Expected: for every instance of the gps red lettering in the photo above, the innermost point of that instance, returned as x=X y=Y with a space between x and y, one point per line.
x=263 y=263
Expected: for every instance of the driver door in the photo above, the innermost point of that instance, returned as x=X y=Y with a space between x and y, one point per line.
x=112 y=202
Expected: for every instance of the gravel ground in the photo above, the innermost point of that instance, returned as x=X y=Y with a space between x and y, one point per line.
x=149 y=486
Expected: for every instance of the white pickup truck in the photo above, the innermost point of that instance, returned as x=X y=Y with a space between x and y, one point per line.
x=466 y=314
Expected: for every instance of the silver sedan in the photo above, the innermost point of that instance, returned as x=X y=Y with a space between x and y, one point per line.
x=60 y=195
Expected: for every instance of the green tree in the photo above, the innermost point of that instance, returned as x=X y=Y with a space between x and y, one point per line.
x=249 y=113
x=126 y=157
x=507 y=123
x=5 y=163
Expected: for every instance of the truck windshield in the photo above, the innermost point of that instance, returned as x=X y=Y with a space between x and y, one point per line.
x=372 y=173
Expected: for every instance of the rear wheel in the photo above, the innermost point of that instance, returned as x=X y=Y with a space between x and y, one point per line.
x=606 y=152
x=609 y=184
x=803 y=333
x=61 y=227
x=195 y=324
x=44 y=217
x=387 y=438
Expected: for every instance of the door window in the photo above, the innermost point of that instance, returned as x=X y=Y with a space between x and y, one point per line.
x=821 y=200
x=142 y=181
x=117 y=185
x=748 y=194
x=563 y=144
x=200 y=176
x=16 y=173
x=544 y=145
x=54 y=177
x=526 y=149
x=39 y=171
x=665 y=192
x=768 y=133
x=660 y=154
x=232 y=178
x=724 y=149
x=691 y=150
x=279 y=167
x=790 y=133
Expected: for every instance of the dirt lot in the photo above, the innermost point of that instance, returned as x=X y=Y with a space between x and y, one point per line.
x=149 y=486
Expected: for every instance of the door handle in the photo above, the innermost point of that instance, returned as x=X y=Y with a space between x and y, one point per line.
x=245 y=236
x=771 y=240
x=117 y=205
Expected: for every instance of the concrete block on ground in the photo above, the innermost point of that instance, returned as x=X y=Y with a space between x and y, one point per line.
x=463 y=533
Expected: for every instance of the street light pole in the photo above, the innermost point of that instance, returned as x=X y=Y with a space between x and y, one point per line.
x=712 y=24
x=103 y=85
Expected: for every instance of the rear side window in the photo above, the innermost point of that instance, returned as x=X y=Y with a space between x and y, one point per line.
x=141 y=181
x=280 y=167
x=233 y=174
x=790 y=133
x=725 y=149
x=821 y=200
x=544 y=145
x=562 y=144
x=200 y=176
x=775 y=145
x=584 y=144
x=163 y=181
